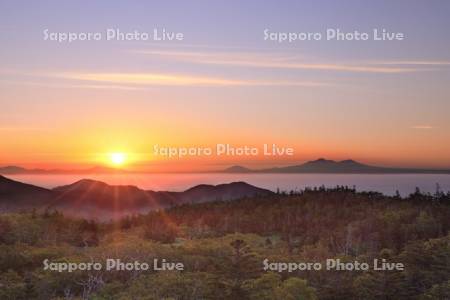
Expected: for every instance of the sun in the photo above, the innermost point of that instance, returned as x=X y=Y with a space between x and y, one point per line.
x=117 y=158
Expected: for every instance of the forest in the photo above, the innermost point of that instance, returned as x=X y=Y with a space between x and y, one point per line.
x=223 y=245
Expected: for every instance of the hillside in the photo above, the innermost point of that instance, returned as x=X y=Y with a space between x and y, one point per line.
x=15 y=195
x=97 y=200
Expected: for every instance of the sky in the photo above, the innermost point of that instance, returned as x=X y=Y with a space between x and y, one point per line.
x=70 y=105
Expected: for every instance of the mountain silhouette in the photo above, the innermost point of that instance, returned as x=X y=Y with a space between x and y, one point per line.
x=348 y=166
x=230 y=191
x=237 y=169
x=17 y=195
x=97 y=200
x=16 y=170
x=320 y=165
x=13 y=170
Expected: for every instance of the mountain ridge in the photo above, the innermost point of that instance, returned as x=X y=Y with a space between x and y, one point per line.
x=94 y=199
x=321 y=165
x=347 y=166
x=17 y=170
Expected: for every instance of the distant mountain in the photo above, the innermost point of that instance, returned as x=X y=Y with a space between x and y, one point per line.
x=348 y=166
x=98 y=200
x=322 y=165
x=9 y=170
x=237 y=169
x=15 y=170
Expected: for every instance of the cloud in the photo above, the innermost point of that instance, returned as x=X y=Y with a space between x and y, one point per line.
x=414 y=63
x=159 y=79
x=140 y=80
x=277 y=61
x=67 y=86
x=422 y=127
x=150 y=79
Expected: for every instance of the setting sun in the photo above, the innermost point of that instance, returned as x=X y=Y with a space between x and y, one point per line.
x=118 y=158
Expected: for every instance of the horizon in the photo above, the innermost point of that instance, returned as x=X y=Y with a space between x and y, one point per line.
x=387 y=184
x=120 y=169
x=92 y=181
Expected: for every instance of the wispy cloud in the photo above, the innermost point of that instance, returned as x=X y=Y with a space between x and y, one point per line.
x=284 y=61
x=157 y=79
x=414 y=63
x=425 y=127
x=150 y=79
x=141 y=80
x=67 y=85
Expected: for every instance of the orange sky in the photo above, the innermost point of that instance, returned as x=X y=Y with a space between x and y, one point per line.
x=69 y=105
